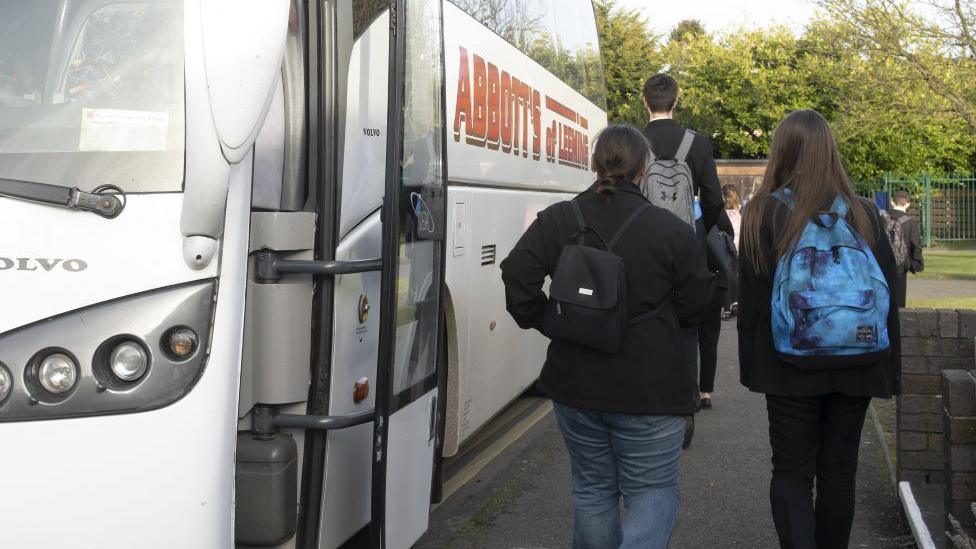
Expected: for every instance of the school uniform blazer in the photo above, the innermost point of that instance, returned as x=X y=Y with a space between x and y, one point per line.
x=913 y=236
x=662 y=260
x=760 y=368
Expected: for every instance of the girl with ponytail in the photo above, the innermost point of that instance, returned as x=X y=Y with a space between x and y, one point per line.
x=622 y=414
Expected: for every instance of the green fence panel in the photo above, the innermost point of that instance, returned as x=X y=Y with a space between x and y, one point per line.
x=946 y=205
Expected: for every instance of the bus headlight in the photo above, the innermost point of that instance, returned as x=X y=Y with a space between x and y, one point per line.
x=57 y=373
x=108 y=358
x=6 y=383
x=180 y=343
x=128 y=361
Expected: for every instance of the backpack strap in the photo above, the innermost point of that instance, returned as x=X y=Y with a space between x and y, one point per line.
x=580 y=222
x=685 y=147
x=630 y=221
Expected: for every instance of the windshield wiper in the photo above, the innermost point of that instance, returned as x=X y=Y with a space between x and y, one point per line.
x=102 y=203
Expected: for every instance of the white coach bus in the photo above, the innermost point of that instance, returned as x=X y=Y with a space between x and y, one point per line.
x=248 y=274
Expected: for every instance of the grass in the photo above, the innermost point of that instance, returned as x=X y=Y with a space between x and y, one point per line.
x=956 y=245
x=949 y=266
x=943 y=303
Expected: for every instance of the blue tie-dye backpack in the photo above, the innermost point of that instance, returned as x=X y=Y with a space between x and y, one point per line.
x=830 y=299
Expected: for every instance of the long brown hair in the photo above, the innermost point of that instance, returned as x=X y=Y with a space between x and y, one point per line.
x=731 y=197
x=620 y=156
x=804 y=158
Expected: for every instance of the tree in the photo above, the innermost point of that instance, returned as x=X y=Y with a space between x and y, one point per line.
x=899 y=89
x=630 y=55
x=685 y=29
x=736 y=88
x=933 y=43
x=880 y=127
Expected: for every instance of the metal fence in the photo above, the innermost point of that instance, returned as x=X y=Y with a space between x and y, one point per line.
x=945 y=204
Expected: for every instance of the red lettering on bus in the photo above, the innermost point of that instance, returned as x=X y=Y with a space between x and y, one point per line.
x=476 y=135
x=462 y=108
x=516 y=114
x=551 y=142
x=506 y=112
x=493 y=105
x=536 y=124
x=526 y=96
x=498 y=109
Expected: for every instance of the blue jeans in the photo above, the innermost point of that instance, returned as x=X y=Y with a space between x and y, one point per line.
x=634 y=456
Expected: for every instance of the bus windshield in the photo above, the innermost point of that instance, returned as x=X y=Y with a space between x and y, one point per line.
x=91 y=93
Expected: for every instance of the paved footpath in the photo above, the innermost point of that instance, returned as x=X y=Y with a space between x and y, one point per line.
x=522 y=499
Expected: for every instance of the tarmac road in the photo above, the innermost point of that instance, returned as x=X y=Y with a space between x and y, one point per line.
x=522 y=498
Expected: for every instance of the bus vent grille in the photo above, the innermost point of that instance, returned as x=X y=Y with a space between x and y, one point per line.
x=488 y=254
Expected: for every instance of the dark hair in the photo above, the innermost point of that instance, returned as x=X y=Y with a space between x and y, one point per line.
x=901 y=198
x=620 y=155
x=804 y=158
x=661 y=93
x=731 y=197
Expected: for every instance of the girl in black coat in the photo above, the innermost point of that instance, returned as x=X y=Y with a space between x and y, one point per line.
x=621 y=414
x=815 y=413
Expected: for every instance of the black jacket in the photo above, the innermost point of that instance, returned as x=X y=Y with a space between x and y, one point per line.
x=761 y=370
x=665 y=137
x=913 y=236
x=661 y=258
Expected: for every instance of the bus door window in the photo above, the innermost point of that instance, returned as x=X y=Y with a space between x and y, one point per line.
x=422 y=215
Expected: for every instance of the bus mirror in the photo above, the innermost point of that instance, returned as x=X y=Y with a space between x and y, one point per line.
x=243 y=44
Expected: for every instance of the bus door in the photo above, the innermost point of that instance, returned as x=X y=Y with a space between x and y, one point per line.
x=404 y=439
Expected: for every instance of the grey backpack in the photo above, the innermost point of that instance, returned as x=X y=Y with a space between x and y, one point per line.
x=896 y=235
x=668 y=184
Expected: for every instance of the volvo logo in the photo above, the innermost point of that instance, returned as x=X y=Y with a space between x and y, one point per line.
x=41 y=264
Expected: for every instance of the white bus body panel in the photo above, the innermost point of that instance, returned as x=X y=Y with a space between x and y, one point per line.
x=493 y=196
x=159 y=479
x=497 y=359
x=364 y=165
x=140 y=250
x=348 y=459
x=411 y=453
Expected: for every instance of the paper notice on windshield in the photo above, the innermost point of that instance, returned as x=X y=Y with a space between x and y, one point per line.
x=122 y=130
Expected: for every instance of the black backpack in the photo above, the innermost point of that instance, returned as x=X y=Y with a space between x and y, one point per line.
x=588 y=295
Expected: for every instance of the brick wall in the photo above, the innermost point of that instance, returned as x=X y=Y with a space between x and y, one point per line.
x=932 y=341
x=959 y=426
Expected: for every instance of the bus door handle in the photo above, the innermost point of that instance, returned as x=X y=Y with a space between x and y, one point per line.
x=266 y=421
x=271 y=266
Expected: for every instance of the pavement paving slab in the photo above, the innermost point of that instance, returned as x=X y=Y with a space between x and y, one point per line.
x=522 y=499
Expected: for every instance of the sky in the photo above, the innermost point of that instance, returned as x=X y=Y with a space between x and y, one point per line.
x=718 y=15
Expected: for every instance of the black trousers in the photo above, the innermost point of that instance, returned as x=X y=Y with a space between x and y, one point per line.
x=708 y=333
x=814 y=438
x=732 y=294
x=899 y=290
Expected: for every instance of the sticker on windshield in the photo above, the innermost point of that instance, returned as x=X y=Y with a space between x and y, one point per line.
x=123 y=130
